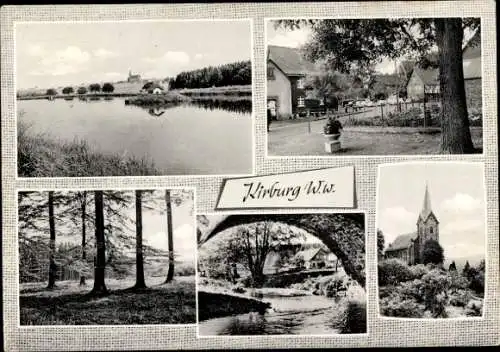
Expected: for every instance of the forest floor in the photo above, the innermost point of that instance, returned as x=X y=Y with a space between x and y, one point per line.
x=70 y=304
x=296 y=140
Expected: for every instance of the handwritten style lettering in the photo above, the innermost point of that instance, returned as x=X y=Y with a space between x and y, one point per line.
x=259 y=191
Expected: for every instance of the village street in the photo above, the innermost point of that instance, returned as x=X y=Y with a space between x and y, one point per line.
x=286 y=138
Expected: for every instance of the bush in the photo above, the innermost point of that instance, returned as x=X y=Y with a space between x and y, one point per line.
x=412 y=290
x=435 y=285
x=184 y=270
x=396 y=306
x=419 y=270
x=107 y=88
x=82 y=90
x=460 y=298
x=392 y=272
x=432 y=252
x=474 y=308
x=352 y=319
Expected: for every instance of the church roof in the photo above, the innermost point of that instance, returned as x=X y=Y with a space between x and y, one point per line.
x=426 y=207
x=402 y=241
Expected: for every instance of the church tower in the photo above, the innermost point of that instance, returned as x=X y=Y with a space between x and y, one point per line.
x=427 y=226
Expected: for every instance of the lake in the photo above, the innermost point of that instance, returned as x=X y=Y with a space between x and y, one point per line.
x=187 y=139
x=301 y=315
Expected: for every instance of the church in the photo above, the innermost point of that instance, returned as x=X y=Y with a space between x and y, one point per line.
x=409 y=247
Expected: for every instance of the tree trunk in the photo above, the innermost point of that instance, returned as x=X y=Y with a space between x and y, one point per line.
x=140 y=282
x=455 y=136
x=170 y=274
x=52 y=243
x=84 y=240
x=100 y=260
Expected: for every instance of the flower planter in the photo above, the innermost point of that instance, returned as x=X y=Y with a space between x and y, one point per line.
x=332 y=137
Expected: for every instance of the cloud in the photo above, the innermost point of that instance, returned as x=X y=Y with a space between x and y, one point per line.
x=198 y=56
x=293 y=39
x=462 y=226
x=113 y=74
x=462 y=202
x=104 y=54
x=184 y=241
x=171 y=57
x=399 y=214
x=61 y=62
x=35 y=50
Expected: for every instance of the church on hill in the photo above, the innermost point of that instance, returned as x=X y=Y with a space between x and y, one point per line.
x=409 y=247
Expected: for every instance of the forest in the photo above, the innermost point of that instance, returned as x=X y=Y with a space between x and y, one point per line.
x=237 y=73
x=77 y=248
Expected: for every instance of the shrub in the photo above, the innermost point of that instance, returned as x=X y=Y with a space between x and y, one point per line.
x=107 y=88
x=352 y=319
x=184 y=270
x=460 y=298
x=435 y=285
x=82 y=90
x=51 y=91
x=474 y=308
x=412 y=290
x=67 y=90
x=332 y=126
x=396 y=306
x=393 y=271
x=419 y=270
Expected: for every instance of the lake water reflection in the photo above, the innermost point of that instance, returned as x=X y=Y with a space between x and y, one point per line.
x=200 y=138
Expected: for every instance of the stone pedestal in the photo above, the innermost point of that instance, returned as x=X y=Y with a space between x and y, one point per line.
x=332 y=146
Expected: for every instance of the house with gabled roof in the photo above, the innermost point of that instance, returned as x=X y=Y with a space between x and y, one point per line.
x=425 y=82
x=409 y=247
x=286 y=70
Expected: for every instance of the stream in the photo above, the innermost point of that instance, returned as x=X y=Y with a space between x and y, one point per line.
x=299 y=315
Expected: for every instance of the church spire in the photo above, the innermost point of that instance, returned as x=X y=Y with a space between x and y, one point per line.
x=426 y=208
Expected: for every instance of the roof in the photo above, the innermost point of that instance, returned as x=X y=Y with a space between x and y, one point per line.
x=426 y=207
x=430 y=77
x=472 y=48
x=290 y=60
x=388 y=80
x=402 y=241
x=309 y=254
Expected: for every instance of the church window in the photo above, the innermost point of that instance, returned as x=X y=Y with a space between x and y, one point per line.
x=431 y=230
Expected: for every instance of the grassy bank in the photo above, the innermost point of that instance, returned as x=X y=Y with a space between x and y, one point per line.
x=41 y=156
x=158 y=99
x=219 y=93
x=70 y=304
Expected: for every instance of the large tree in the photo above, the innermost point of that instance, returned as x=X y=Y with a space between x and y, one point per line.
x=433 y=252
x=347 y=45
x=170 y=234
x=140 y=281
x=52 y=245
x=100 y=259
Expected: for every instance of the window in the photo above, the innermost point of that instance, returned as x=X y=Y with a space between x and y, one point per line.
x=300 y=83
x=300 y=102
x=431 y=230
x=270 y=73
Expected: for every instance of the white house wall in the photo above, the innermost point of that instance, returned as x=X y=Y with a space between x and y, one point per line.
x=280 y=87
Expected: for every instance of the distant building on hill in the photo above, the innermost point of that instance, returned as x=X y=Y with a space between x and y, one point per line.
x=133 y=78
x=409 y=247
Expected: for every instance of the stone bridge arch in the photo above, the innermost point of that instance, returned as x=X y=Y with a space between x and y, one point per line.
x=343 y=234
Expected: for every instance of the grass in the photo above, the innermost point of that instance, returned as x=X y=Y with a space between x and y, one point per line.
x=70 y=304
x=41 y=156
x=295 y=140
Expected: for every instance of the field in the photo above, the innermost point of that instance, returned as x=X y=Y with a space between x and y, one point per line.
x=69 y=304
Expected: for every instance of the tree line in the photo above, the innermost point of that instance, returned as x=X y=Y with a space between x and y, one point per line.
x=76 y=213
x=237 y=73
x=92 y=88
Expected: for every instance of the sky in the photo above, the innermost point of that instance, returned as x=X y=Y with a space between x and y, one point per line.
x=457 y=199
x=298 y=37
x=154 y=226
x=57 y=54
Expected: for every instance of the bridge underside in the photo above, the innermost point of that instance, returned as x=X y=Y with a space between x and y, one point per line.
x=343 y=234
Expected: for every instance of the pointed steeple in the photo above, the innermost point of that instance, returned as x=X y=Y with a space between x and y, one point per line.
x=426 y=208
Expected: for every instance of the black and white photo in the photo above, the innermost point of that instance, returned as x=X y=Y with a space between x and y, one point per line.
x=431 y=240
x=134 y=98
x=281 y=274
x=107 y=257
x=374 y=86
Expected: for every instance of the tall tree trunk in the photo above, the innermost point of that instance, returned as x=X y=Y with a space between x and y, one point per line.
x=455 y=136
x=84 y=240
x=139 y=260
x=170 y=274
x=100 y=260
x=52 y=243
